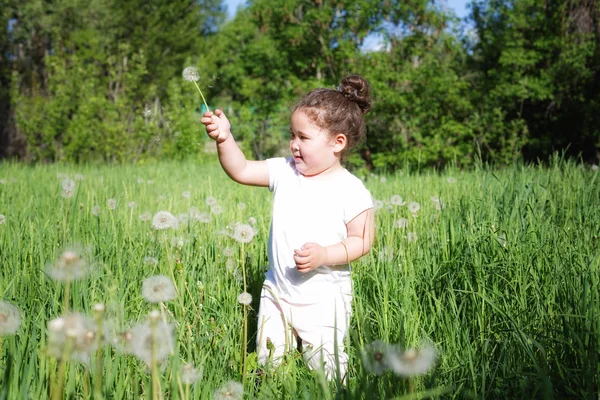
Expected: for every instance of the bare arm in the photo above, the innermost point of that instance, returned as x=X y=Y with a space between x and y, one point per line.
x=361 y=233
x=233 y=161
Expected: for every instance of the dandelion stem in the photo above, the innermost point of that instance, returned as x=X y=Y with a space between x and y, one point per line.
x=244 y=339
x=66 y=296
x=98 y=368
x=57 y=393
x=153 y=362
x=203 y=99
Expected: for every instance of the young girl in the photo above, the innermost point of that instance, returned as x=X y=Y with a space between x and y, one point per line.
x=322 y=220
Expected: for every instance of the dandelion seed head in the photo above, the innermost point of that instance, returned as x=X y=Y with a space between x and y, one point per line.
x=414 y=207
x=186 y=194
x=451 y=180
x=96 y=211
x=77 y=328
x=232 y=390
x=228 y=251
x=245 y=298
x=10 y=318
x=210 y=201
x=190 y=74
x=411 y=236
x=415 y=361
x=68 y=185
x=183 y=218
x=230 y=265
x=131 y=204
x=216 y=209
x=3 y=181
x=397 y=200
x=378 y=204
x=243 y=233
x=158 y=288
x=138 y=341
x=140 y=180
x=205 y=218
x=594 y=167
x=383 y=179
x=252 y=221
x=112 y=204
x=150 y=260
x=189 y=374
x=401 y=223
x=67 y=194
x=2 y=219
x=241 y=206
x=145 y=216
x=147 y=111
x=164 y=220
x=70 y=266
x=378 y=357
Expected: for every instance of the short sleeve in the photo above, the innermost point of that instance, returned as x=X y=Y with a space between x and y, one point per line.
x=277 y=167
x=358 y=200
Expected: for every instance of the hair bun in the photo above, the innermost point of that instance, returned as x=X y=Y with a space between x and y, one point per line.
x=356 y=89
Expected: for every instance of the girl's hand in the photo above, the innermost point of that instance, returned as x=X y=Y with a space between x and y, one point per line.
x=309 y=257
x=217 y=125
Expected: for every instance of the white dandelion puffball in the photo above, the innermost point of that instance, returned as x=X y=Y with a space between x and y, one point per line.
x=2 y=219
x=189 y=374
x=411 y=237
x=397 y=200
x=70 y=266
x=148 y=260
x=112 y=204
x=383 y=179
x=205 y=218
x=96 y=211
x=186 y=194
x=158 y=288
x=232 y=390
x=228 y=251
x=194 y=212
x=10 y=318
x=241 y=206
x=416 y=361
x=145 y=216
x=252 y=221
x=245 y=298
x=414 y=207
x=77 y=329
x=131 y=204
x=190 y=74
x=68 y=185
x=378 y=357
x=3 y=181
x=140 y=341
x=378 y=204
x=243 y=233
x=401 y=223
x=216 y=209
x=210 y=201
x=140 y=180
x=451 y=179
x=67 y=193
x=164 y=220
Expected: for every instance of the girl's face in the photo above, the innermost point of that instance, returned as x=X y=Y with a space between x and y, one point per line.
x=315 y=151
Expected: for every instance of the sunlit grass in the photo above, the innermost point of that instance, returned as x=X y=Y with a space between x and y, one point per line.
x=500 y=271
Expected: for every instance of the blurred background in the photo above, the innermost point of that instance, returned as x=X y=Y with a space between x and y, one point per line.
x=452 y=82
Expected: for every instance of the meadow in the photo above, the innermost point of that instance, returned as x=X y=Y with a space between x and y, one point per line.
x=498 y=269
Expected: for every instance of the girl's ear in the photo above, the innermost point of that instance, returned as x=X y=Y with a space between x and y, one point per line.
x=339 y=142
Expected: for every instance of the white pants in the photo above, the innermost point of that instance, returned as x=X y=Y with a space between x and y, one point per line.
x=321 y=327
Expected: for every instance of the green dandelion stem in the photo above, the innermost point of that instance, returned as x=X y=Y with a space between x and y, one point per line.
x=154 y=361
x=203 y=99
x=66 y=296
x=244 y=339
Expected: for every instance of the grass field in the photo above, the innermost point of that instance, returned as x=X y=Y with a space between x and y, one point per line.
x=498 y=268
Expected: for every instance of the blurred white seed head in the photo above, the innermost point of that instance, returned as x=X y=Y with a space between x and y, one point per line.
x=131 y=204
x=186 y=194
x=158 y=288
x=415 y=361
x=112 y=204
x=414 y=207
x=378 y=357
x=10 y=318
x=71 y=265
x=245 y=298
x=216 y=209
x=96 y=211
x=241 y=206
x=397 y=200
x=138 y=341
x=190 y=74
x=2 y=219
x=77 y=328
x=145 y=216
x=189 y=374
x=401 y=223
x=164 y=220
x=243 y=233
x=68 y=184
x=232 y=390
x=210 y=201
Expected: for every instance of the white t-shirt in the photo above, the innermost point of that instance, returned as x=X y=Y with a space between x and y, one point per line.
x=309 y=210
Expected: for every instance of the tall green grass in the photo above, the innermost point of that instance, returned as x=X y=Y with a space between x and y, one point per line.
x=505 y=280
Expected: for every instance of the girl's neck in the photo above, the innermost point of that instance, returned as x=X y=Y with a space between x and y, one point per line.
x=327 y=173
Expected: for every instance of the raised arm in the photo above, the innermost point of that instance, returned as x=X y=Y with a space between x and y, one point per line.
x=361 y=233
x=233 y=161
